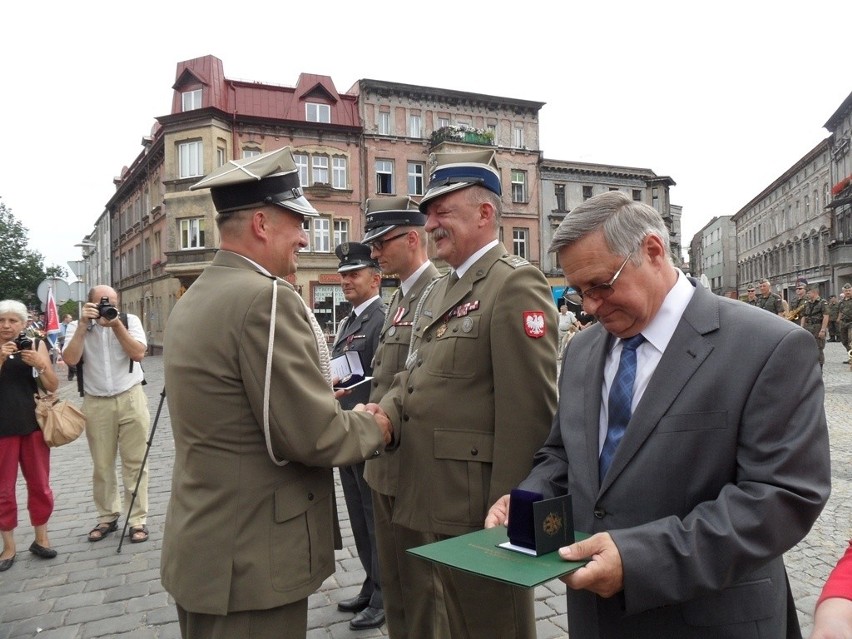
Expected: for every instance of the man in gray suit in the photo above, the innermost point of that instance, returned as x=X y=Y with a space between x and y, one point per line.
x=249 y=532
x=359 y=332
x=724 y=461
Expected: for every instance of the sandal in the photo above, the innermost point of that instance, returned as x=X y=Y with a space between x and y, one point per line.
x=103 y=529
x=138 y=534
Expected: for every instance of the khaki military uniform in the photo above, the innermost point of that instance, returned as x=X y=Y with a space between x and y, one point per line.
x=404 y=577
x=242 y=533
x=813 y=314
x=473 y=405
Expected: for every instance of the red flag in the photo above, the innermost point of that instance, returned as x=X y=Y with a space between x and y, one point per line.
x=51 y=317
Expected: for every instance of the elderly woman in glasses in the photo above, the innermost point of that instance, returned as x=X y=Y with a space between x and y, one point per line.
x=23 y=361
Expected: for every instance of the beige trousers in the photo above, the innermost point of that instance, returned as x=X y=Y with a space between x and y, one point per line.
x=118 y=424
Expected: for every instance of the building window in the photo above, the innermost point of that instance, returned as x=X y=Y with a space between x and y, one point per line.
x=317 y=112
x=190 y=159
x=322 y=235
x=191 y=100
x=341 y=231
x=519 y=186
x=587 y=192
x=192 y=233
x=415 y=178
x=250 y=153
x=518 y=137
x=220 y=156
x=384 y=176
x=301 y=160
x=318 y=231
x=559 y=192
x=384 y=123
x=320 y=169
x=443 y=122
x=414 y=126
x=338 y=173
x=637 y=195
x=520 y=242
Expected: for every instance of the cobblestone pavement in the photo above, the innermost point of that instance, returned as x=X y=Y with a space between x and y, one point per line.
x=90 y=590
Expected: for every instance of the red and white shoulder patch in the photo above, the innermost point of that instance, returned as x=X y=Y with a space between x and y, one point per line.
x=534 y=324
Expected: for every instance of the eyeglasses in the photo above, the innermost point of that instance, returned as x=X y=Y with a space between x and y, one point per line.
x=379 y=244
x=602 y=291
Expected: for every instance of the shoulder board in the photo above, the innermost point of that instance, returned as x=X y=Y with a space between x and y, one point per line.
x=514 y=261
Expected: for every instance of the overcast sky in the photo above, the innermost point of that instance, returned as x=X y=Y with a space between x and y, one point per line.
x=722 y=97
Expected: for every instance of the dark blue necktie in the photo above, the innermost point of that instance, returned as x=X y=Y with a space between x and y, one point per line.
x=620 y=400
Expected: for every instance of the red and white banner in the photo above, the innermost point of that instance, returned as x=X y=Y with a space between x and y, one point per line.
x=51 y=318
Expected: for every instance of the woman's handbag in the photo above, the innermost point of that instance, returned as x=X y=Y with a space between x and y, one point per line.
x=60 y=421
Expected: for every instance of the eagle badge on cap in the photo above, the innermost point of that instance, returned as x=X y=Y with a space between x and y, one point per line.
x=534 y=323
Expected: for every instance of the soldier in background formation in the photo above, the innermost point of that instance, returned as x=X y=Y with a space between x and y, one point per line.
x=844 y=318
x=832 y=319
x=769 y=301
x=814 y=319
x=752 y=297
x=798 y=305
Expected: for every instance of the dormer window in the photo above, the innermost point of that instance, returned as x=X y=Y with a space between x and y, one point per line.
x=191 y=100
x=317 y=112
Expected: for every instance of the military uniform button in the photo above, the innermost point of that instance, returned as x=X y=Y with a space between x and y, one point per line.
x=474 y=451
x=410 y=389
x=600 y=513
x=310 y=496
x=405 y=418
x=420 y=362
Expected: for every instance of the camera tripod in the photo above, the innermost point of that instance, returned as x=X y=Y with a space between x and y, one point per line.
x=142 y=468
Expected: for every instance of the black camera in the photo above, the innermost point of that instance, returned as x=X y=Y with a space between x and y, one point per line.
x=107 y=310
x=23 y=342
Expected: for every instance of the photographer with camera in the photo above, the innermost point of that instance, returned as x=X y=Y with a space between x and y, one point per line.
x=106 y=350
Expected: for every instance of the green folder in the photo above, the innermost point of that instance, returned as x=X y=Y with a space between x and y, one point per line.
x=477 y=553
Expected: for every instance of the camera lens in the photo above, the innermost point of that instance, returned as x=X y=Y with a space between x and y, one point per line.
x=110 y=312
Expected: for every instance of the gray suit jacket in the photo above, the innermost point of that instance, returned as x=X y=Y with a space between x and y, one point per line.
x=724 y=467
x=242 y=533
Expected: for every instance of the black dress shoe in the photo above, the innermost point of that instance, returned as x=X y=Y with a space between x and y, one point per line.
x=369 y=617
x=5 y=564
x=356 y=604
x=41 y=551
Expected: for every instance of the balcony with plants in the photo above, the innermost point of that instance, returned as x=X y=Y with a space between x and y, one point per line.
x=462 y=133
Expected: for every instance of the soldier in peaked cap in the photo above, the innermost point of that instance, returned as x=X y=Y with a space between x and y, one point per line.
x=394 y=230
x=248 y=417
x=360 y=280
x=479 y=391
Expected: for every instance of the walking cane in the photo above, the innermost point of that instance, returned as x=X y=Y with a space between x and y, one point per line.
x=142 y=469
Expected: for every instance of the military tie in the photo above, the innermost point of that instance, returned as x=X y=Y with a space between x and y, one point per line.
x=620 y=400
x=454 y=277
